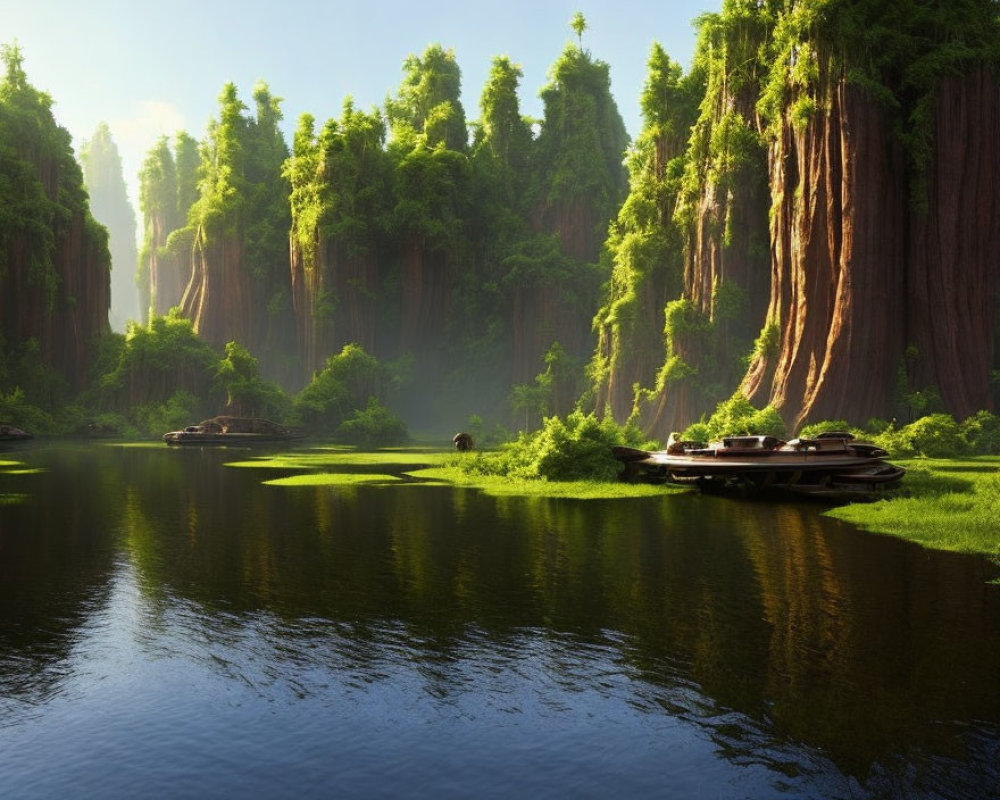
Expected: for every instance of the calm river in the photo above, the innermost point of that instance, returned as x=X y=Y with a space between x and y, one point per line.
x=171 y=627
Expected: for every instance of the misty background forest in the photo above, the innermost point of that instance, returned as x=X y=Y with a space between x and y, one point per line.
x=806 y=228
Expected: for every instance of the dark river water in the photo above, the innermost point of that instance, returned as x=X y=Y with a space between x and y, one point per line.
x=171 y=627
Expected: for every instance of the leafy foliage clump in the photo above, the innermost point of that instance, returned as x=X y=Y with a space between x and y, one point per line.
x=238 y=375
x=372 y=426
x=981 y=432
x=734 y=417
x=830 y=426
x=577 y=447
x=347 y=384
x=932 y=436
x=156 y=361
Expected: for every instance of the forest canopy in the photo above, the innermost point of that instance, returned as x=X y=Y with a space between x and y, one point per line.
x=788 y=230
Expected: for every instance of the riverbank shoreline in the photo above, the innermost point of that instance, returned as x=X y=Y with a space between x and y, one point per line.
x=943 y=503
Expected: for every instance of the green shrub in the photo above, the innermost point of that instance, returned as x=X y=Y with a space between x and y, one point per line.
x=17 y=411
x=698 y=432
x=937 y=436
x=981 y=432
x=155 y=419
x=372 y=426
x=575 y=448
x=829 y=426
x=342 y=388
x=933 y=436
x=896 y=442
x=737 y=416
x=247 y=394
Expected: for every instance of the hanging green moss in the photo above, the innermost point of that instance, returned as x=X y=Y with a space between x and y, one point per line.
x=899 y=52
x=33 y=215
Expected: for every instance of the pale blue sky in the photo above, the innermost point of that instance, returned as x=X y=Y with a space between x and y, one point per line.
x=148 y=69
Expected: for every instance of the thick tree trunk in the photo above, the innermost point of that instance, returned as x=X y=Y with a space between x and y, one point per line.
x=861 y=271
x=217 y=299
x=65 y=321
x=954 y=248
x=837 y=288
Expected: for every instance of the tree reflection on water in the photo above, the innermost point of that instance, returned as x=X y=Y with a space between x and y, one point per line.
x=784 y=634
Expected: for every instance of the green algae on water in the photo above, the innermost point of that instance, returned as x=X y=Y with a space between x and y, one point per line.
x=313 y=459
x=574 y=490
x=332 y=479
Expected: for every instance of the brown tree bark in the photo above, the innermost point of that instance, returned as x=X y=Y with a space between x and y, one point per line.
x=837 y=289
x=954 y=248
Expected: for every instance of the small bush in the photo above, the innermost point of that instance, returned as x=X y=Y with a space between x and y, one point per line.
x=735 y=417
x=937 y=436
x=933 y=436
x=155 y=419
x=372 y=426
x=342 y=389
x=698 y=432
x=895 y=442
x=575 y=448
x=829 y=426
x=981 y=432
x=16 y=410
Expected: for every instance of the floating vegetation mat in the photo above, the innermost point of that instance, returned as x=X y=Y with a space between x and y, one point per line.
x=319 y=459
x=18 y=468
x=574 y=490
x=337 y=466
x=332 y=479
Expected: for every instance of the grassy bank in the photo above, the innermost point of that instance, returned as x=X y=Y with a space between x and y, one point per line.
x=337 y=466
x=946 y=504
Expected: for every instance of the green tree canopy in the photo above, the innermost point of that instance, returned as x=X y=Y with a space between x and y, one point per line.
x=428 y=103
x=583 y=137
x=342 y=387
x=579 y=25
x=110 y=205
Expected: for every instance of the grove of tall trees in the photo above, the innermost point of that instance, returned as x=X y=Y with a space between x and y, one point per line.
x=806 y=220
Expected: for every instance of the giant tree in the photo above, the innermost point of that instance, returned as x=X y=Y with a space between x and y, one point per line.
x=237 y=289
x=579 y=184
x=883 y=124
x=167 y=191
x=428 y=147
x=109 y=203
x=645 y=246
x=54 y=258
x=340 y=199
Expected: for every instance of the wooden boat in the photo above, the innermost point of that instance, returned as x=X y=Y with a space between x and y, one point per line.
x=8 y=433
x=232 y=431
x=831 y=464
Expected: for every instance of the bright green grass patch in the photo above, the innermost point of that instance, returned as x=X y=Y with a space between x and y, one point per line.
x=332 y=479
x=312 y=459
x=945 y=504
x=576 y=490
x=436 y=466
x=5 y=464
